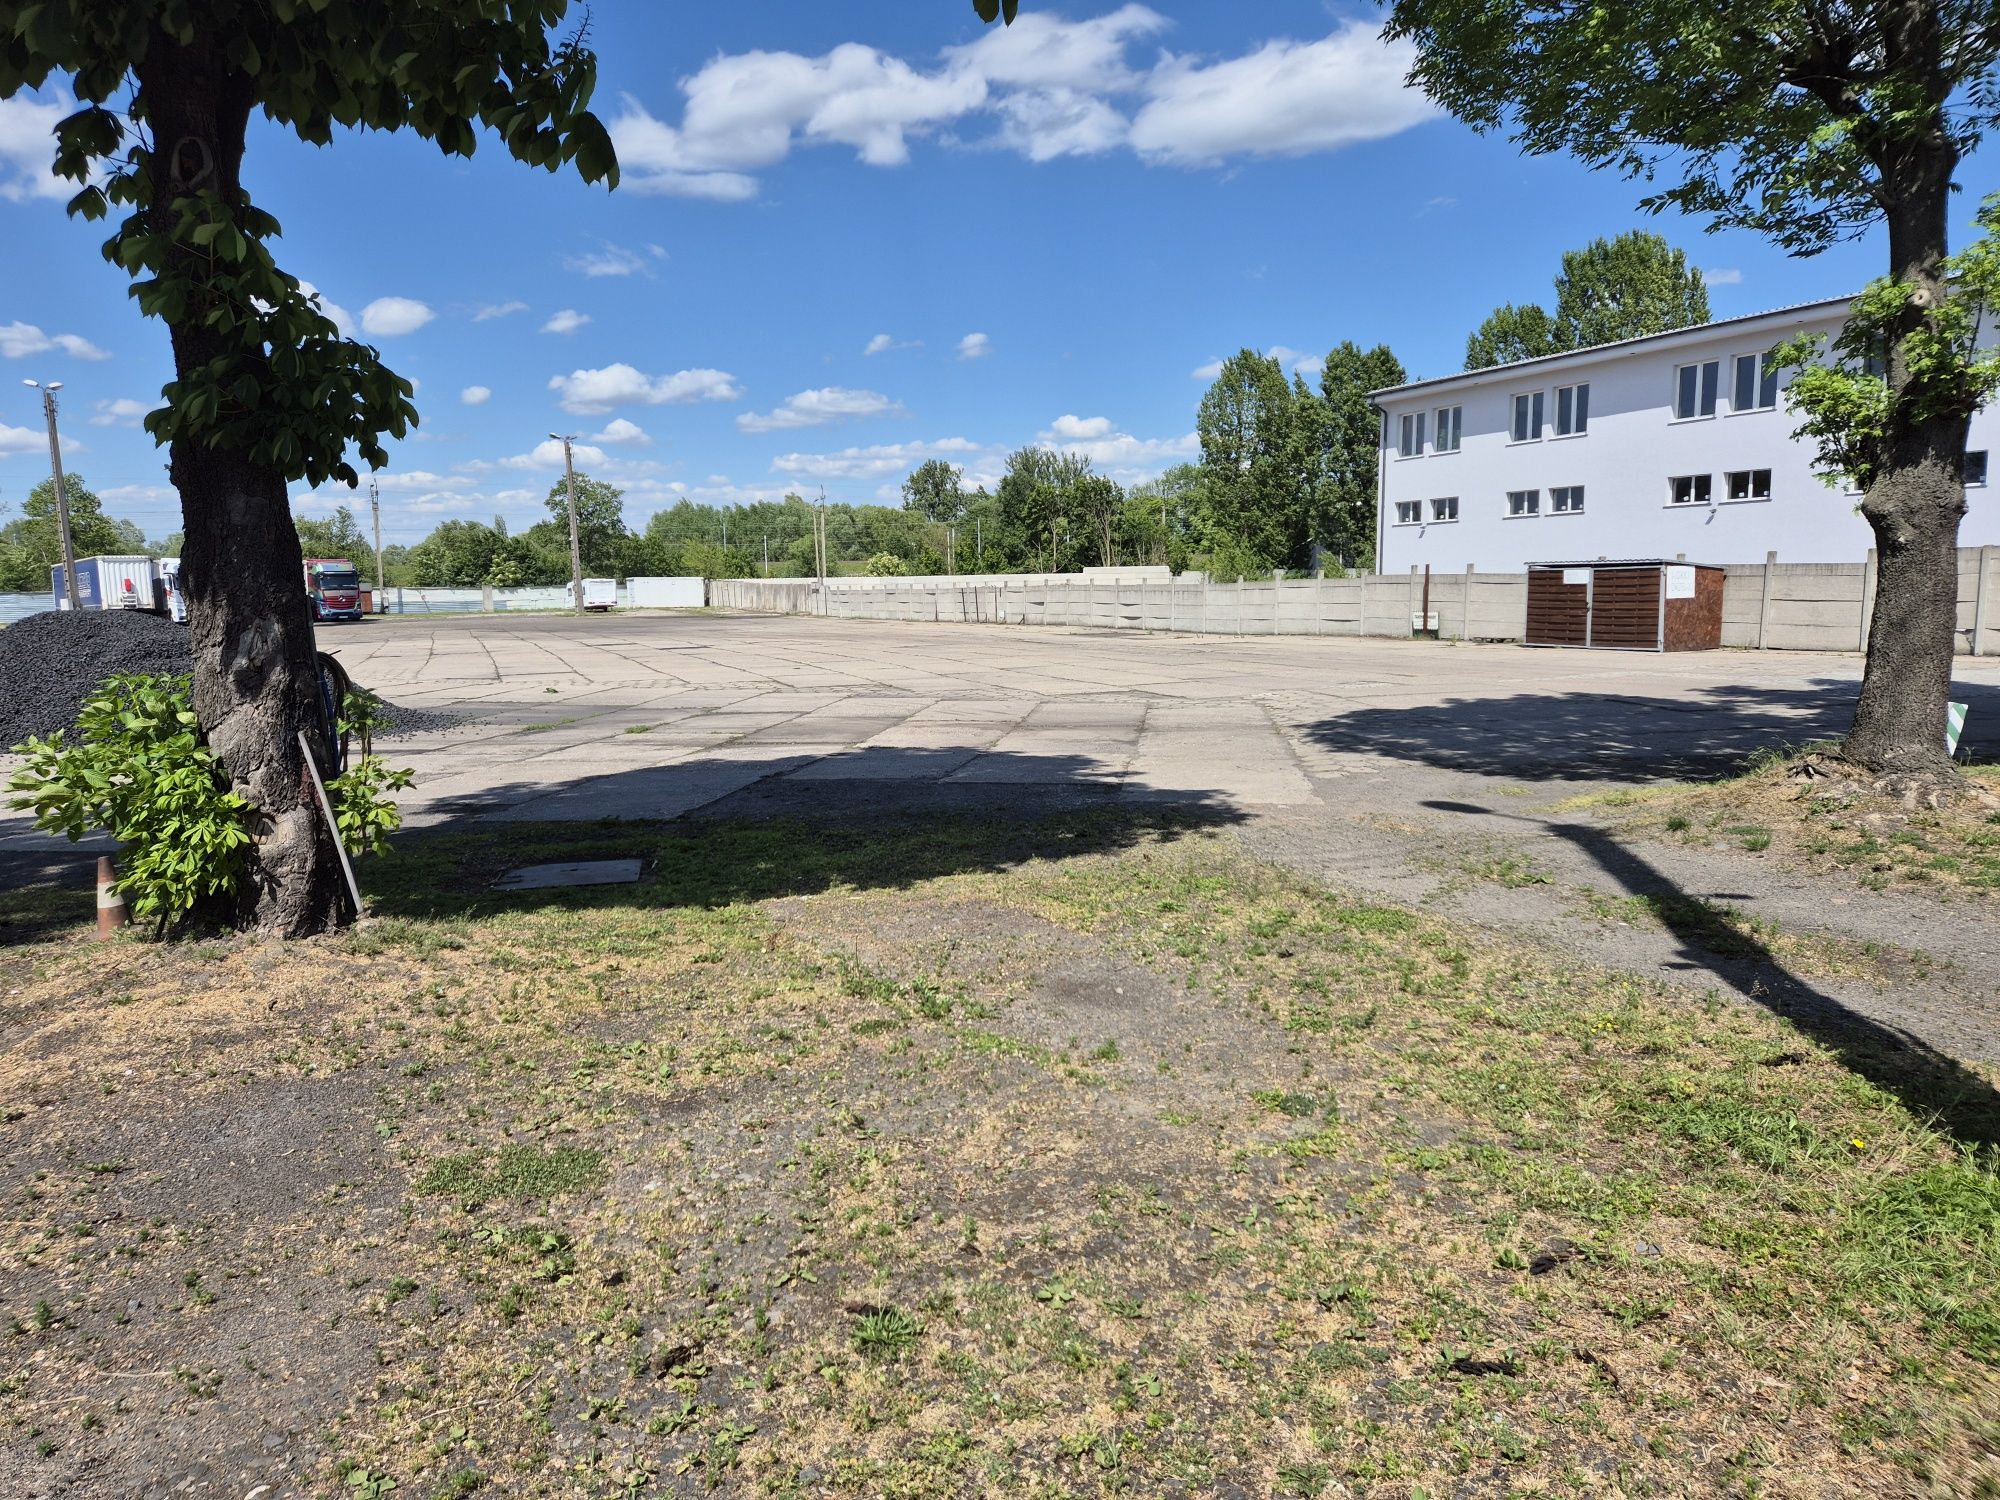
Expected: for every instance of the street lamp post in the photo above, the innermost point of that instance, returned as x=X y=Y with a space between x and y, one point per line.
x=575 y=546
x=62 y=492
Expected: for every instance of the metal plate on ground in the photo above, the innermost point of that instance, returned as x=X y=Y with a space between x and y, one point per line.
x=561 y=877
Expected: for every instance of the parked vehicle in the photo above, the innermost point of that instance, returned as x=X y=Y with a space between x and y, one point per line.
x=333 y=584
x=109 y=583
x=598 y=593
x=167 y=574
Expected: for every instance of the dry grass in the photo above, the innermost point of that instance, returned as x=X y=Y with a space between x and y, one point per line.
x=953 y=1160
x=1950 y=853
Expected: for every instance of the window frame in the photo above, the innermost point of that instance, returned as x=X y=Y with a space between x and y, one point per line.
x=1532 y=509
x=1438 y=518
x=1965 y=478
x=1565 y=506
x=1707 y=389
x=1457 y=413
x=1749 y=478
x=1411 y=422
x=1579 y=401
x=1764 y=383
x=1417 y=513
x=1701 y=491
x=1538 y=410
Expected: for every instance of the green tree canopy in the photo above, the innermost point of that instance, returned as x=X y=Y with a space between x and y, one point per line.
x=31 y=543
x=337 y=536
x=600 y=524
x=935 y=491
x=1621 y=288
x=1344 y=520
x=1509 y=333
x=1255 y=495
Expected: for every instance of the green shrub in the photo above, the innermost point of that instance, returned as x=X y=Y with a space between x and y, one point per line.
x=139 y=771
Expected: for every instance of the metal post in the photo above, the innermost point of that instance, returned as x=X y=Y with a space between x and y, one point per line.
x=375 y=505
x=62 y=491
x=575 y=545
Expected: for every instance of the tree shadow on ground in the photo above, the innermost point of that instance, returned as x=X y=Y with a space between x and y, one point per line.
x=1622 y=736
x=868 y=819
x=1930 y=1083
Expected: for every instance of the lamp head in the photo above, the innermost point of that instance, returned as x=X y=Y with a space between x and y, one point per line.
x=55 y=385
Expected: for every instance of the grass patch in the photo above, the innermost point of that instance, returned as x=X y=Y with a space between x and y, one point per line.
x=951 y=1157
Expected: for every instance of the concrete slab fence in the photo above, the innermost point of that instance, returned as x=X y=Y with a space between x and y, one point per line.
x=1772 y=605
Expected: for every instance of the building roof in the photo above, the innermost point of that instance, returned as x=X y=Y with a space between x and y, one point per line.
x=1625 y=562
x=1494 y=371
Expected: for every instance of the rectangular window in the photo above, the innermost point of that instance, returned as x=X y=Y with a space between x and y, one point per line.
x=1566 y=500
x=1694 y=389
x=1748 y=484
x=1409 y=512
x=1756 y=382
x=1975 y=467
x=1411 y=438
x=1448 y=426
x=1693 y=489
x=1572 y=410
x=1528 y=411
x=1524 y=502
x=1445 y=508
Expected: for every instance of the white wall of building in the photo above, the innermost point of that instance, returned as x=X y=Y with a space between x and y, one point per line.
x=1625 y=461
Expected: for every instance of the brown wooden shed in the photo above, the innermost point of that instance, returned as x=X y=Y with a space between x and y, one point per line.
x=1625 y=604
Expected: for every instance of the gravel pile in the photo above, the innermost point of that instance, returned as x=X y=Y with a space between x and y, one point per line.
x=51 y=662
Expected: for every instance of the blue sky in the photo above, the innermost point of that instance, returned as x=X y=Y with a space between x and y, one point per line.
x=852 y=237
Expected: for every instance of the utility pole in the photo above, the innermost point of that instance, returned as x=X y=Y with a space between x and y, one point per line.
x=767 y=554
x=375 y=505
x=575 y=546
x=62 y=491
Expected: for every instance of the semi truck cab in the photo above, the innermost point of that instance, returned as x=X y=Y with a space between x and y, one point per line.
x=333 y=584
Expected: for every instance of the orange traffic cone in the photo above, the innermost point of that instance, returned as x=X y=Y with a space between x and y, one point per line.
x=111 y=910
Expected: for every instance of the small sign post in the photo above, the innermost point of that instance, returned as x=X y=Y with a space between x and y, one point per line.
x=1954 y=726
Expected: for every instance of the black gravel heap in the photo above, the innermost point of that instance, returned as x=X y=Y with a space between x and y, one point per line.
x=51 y=662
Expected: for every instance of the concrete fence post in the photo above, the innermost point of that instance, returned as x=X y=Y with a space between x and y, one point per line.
x=486 y=598
x=1465 y=620
x=1764 y=607
x=1982 y=588
x=1867 y=597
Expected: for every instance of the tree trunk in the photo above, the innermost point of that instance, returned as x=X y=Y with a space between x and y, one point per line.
x=1914 y=502
x=256 y=680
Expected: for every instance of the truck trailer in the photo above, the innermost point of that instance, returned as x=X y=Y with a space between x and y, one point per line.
x=111 y=583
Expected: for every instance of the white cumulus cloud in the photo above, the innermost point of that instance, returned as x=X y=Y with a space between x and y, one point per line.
x=618 y=430
x=879 y=344
x=615 y=260
x=476 y=395
x=548 y=454
x=880 y=460
x=28 y=147
x=975 y=346
x=1046 y=87
x=123 y=412
x=815 y=408
x=594 y=392
x=340 y=317
x=566 y=321
x=1285 y=99
x=1079 y=429
x=1723 y=276
x=15 y=440
x=486 y=311
x=391 y=317
x=19 y=340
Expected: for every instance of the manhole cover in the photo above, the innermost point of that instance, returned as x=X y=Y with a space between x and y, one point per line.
x=586 y=872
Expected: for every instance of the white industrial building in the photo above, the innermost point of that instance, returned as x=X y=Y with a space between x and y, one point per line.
x=1673 y=445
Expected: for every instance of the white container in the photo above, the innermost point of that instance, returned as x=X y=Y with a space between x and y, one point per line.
x=665 y=593
x=598 y=593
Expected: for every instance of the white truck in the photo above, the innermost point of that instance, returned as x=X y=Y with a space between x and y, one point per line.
x=598 y=593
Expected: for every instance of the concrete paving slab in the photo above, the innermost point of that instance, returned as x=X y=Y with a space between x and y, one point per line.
x=566 y=876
